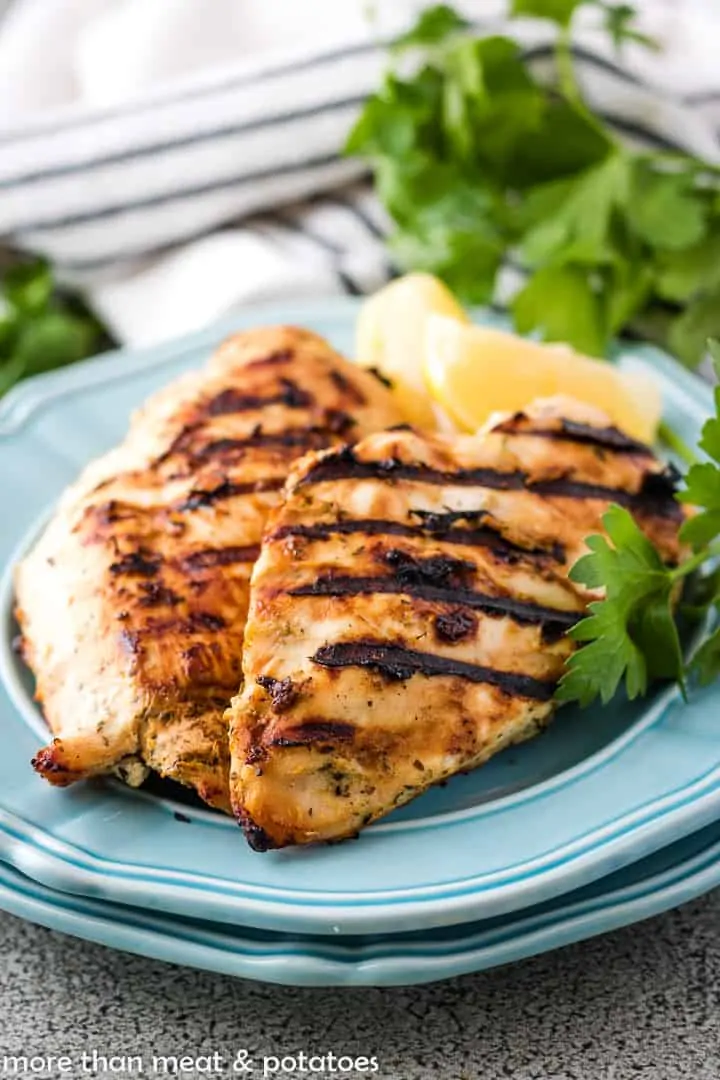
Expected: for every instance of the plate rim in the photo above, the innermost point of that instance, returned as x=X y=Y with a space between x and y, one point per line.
x=330 y=962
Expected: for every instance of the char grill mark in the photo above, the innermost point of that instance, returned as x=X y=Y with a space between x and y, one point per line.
x=180 y=445
x=311 y=438
x=343 y=465
x=338 y=422
x=522 y=611
x=283 y=692
x=197 y=622
x=232 y=401
x=256 y=837
x=315 y=731
x=156 y=595
x=381 y=377
x=434 y=521
x=353 y=394
x=608 y=438
x=46 y=762
x=454 y=626
x=273 y=359
x=442 y=524
x=209 y=558
x=397 y=663
x=440 y=570
x=140 y=563
x=227 y=490
x=657 y=494
x=483 y=536
x=109 y=513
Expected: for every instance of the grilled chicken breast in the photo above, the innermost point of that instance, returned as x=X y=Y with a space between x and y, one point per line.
x=132 y=605
x=409 y=609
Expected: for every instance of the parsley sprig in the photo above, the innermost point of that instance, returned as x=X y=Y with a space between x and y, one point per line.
x=631 y=636
x=41 y=327
x=476 y=160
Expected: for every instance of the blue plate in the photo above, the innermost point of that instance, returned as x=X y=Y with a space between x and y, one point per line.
x=601 y=789
x=670 y=877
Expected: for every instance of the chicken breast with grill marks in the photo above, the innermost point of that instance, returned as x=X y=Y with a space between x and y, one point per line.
x=409 y=609
x=133 y=603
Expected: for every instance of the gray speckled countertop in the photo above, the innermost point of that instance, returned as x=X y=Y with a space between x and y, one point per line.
x=641 y=1002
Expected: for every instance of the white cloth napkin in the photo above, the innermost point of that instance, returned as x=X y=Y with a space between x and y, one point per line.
x=141 y=139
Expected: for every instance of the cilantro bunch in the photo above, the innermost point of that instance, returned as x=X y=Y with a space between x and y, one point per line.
x=631 y=636
x=40 y=327
x=475 y=161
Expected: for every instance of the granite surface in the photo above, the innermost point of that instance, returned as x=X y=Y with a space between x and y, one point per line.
x=643 y=1002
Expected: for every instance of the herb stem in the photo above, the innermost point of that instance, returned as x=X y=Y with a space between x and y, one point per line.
x=676 y=157
x=570 y=88
x=566 y=68
x=695 y=562
x=670 y=438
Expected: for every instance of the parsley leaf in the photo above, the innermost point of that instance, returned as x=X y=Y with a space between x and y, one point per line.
x=623 y=231
x=581 y=222
x=702 y=484
x=705 y=664
x=664 y=209
x=619 y=20
x=559 y=11
x=631 y=635
x=684 y=273
x=434 y=25
x=40 y=328
x=690 y=331
x=559 y=302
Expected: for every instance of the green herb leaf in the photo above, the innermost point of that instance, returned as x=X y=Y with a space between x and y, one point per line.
x=714 y=350
x=703 y=490
x=455 y=237
x=619 y=23
x=54 y=339
x=11 y=371
x=564 y=144
x=694 y=269
x=690 y=331
x=40 y=329
x=631 y=230
x=702 y=485
x=664 y=210
x=582 y=220
x=629 y=285
x=434 y=25
x=559 y=11
x=559 y=303
x=630 y=636
x=28 y=287
x=705 y=663
x=398 y=119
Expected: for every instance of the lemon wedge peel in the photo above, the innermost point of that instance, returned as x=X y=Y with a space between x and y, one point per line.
x=474 y=371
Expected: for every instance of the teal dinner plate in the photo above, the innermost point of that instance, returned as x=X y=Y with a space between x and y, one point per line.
x=601 y=789
x=661 y=881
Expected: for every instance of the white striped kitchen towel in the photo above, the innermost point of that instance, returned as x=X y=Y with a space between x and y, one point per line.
x=135 y=136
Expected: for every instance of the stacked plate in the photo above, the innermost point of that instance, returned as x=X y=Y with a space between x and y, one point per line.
x=606 y=819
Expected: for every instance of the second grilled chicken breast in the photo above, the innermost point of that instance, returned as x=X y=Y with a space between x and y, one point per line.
x=409 y=609
x=133 y=603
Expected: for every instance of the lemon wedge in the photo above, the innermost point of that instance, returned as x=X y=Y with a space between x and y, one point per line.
x=474 y=371
x=391 y=335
